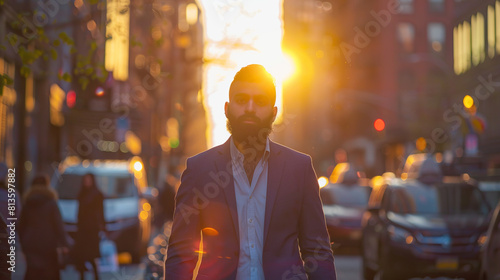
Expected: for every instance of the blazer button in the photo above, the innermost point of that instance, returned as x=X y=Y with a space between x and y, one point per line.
x=235 y=253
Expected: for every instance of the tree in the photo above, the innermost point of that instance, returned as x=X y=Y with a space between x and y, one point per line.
x=32 y=37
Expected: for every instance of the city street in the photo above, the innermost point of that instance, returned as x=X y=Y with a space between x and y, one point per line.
x=348 y=267
x=273 y=129
x=126 y=272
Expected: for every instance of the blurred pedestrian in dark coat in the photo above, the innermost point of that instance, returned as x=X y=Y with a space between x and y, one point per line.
x=167 y=200
x=90 y=223
x=41 y=231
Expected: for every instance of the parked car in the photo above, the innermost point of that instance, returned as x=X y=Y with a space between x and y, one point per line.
x=490 y=253
x=414 y=168
x=491 y=189
x=343 y=205
x=424 y=228
x=126 y=211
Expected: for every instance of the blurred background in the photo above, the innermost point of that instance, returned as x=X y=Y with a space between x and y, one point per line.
x=364 y=81
x=361 y=82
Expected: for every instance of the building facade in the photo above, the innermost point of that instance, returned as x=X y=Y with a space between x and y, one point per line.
x=106 y=80
x=476 y=60
x=388 y=60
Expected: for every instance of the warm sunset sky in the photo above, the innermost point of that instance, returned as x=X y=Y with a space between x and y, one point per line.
x=239 y=33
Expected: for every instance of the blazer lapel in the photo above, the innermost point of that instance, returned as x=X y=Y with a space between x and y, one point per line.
x=223 y=164
x=275 y=171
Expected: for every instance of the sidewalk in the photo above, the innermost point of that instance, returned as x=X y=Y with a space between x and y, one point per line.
x=126 y=272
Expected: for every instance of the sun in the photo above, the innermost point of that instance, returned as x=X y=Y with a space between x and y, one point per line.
x=280 y=65
x=239 y=33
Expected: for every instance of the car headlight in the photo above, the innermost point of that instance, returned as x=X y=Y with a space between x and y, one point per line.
x=400 y=235
x=482 y=239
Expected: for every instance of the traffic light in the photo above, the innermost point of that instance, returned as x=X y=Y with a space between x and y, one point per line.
x=379 y=125
x=71 y=99
x=100 y=97
x=99 y=91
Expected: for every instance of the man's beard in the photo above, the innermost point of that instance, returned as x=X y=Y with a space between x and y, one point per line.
x=249 y=133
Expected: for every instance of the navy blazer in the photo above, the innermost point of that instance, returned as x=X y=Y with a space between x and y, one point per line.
x=205 y=239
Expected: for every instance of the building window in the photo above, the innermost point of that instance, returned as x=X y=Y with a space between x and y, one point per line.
x=407 y=95
x=406 y=37
x=462 y=47
x=116 y=55
x=7 y=104
x=497 y=22
x=491 y=31
x=436 y=6
x=436 y=36
x=466 y=46
x=406 y=6
x=457 y=50
x=478 y=40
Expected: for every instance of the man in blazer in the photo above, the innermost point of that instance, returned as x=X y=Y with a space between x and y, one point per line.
x=249 y=208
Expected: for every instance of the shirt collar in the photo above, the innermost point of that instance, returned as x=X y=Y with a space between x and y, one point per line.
x=236 y=155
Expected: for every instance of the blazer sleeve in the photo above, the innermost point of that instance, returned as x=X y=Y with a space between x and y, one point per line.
x=314 y=241
x=183 y=245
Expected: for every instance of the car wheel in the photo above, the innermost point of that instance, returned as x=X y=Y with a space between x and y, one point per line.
x=368 y=273
x=384 y=272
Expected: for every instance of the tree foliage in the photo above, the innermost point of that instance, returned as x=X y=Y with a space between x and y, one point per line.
x=28 y=40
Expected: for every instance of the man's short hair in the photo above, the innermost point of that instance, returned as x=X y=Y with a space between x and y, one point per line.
x=256 y=73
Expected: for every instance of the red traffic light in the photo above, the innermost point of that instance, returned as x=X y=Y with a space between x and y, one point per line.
x=379 y=124
x=71 y=99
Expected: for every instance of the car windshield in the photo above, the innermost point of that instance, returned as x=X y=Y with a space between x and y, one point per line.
x=111 y=186
x=450 y=199
x=347 y=196
x=491 y=191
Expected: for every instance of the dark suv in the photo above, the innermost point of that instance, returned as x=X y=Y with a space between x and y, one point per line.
x=416 y=229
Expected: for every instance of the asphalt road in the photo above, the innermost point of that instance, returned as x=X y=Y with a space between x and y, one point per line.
x=347 y=263
x=349 y=268
x=126 y=272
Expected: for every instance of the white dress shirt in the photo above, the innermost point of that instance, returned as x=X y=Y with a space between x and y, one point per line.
x=251 y=204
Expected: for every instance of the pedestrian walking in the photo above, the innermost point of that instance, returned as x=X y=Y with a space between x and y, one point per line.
x=249 y=208
x=41 y=231
x=167 y=197
x=90 y=223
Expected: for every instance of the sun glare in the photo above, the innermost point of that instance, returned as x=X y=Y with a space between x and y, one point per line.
x=239 y=33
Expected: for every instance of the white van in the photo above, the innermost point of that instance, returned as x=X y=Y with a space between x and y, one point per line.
x=126 y=212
